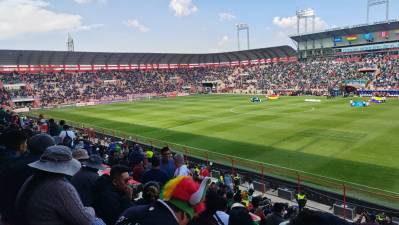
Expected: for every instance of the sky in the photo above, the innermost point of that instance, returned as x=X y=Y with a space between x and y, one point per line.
x=172 y=26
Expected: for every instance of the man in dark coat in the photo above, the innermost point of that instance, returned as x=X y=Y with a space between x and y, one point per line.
x=155 y=173
x=17 y=171
x=113 y=194
x=276 y=217
x=84 y=180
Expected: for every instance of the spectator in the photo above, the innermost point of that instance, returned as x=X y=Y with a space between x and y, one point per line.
x=84 y=180
x=113 y=194
x=80 y=154
x=53 y=128
x=181 y=200
x=47 y=198
x=15 y=174
x=14 y=142
x=239 y=215
x=155 y=173
x=138 y=171
x=167 y=163
x=150 y=194
x=181 y=168
x=276 y=217
x=67 y=136
x=308 y=217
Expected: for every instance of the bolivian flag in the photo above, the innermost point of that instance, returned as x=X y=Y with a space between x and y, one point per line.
x=351 y=37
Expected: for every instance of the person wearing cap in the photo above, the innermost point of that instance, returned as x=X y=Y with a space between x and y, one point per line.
x=155 y=173
x=239 y=215
x=182 y=199
x=80 y=154
x=17 y=172
x=47 y=197
x=84 y=180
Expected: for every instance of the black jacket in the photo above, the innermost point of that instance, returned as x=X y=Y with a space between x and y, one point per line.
x=274 y=219
x=156 y=213
x=12 y=177
x=109 y=203
x=84 y=182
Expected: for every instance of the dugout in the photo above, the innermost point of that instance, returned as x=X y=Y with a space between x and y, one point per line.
x=209 y=86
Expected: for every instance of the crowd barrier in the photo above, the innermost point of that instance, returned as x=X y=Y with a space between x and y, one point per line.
x=339 y=191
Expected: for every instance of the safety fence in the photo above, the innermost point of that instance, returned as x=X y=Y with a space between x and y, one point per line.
x=345 y=192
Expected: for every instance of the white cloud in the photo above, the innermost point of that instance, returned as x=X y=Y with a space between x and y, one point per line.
x=226 y=16
x=137 y=25
x=183 y=7
x=224 y=41
x=88 y=27
x=19 y=17
x=291 y=23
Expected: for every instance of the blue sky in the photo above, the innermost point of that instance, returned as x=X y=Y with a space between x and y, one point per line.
x=189 y=26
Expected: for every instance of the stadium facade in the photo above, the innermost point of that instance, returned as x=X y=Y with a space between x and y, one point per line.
x=350 y=40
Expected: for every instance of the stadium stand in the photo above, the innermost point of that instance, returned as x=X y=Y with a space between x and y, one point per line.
x=289 y=78
x=36 y=155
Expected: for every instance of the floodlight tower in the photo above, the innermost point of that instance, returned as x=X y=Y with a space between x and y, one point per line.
x=242 y=27
x=70 y=47
x=305 y=14
x=371 y=3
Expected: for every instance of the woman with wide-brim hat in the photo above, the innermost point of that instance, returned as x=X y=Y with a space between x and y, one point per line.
x=48 y=198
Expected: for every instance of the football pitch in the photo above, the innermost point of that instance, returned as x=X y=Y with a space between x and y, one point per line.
x=329 y=138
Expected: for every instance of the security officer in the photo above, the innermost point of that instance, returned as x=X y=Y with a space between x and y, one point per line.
x=301 y=200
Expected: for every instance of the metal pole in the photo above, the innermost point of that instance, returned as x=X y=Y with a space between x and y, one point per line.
x=387 y=10
x=297 y=23
x=368 y=11
x=306 y=24
x=238 y=38
x=248 y=37
x=344 y=201
x=314 y=23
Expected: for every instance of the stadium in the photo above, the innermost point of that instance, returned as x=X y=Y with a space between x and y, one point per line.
x=316 y=119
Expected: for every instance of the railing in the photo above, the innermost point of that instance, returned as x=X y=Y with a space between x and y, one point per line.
x=302 y=179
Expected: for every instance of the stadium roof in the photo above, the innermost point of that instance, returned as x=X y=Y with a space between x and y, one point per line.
x=30 y=57
x=343 y=31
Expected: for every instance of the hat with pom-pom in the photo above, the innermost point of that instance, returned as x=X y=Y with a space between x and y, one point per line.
x=186 y=194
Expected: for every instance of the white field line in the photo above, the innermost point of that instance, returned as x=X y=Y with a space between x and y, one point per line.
x=244 y=159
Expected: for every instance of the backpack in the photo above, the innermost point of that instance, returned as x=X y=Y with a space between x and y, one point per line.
x=67 y=141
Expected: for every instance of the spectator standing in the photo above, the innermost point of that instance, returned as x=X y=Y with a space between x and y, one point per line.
x=181 y=167
x=167 y=163
x=155 y=173
x=53 y=128
x=67 y=136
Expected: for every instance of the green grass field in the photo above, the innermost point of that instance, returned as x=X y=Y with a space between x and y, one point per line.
x=330 y=138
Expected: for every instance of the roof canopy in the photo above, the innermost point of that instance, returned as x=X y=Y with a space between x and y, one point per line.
x=29 y=57
x=338 y=32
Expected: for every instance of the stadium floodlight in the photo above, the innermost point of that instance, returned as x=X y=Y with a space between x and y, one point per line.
x=371 y=3
x=306 y=14
x=242 y=27
x=70 y=47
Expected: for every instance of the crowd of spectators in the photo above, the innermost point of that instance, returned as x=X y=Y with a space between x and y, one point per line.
x=311 y=77
x=52 y=174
